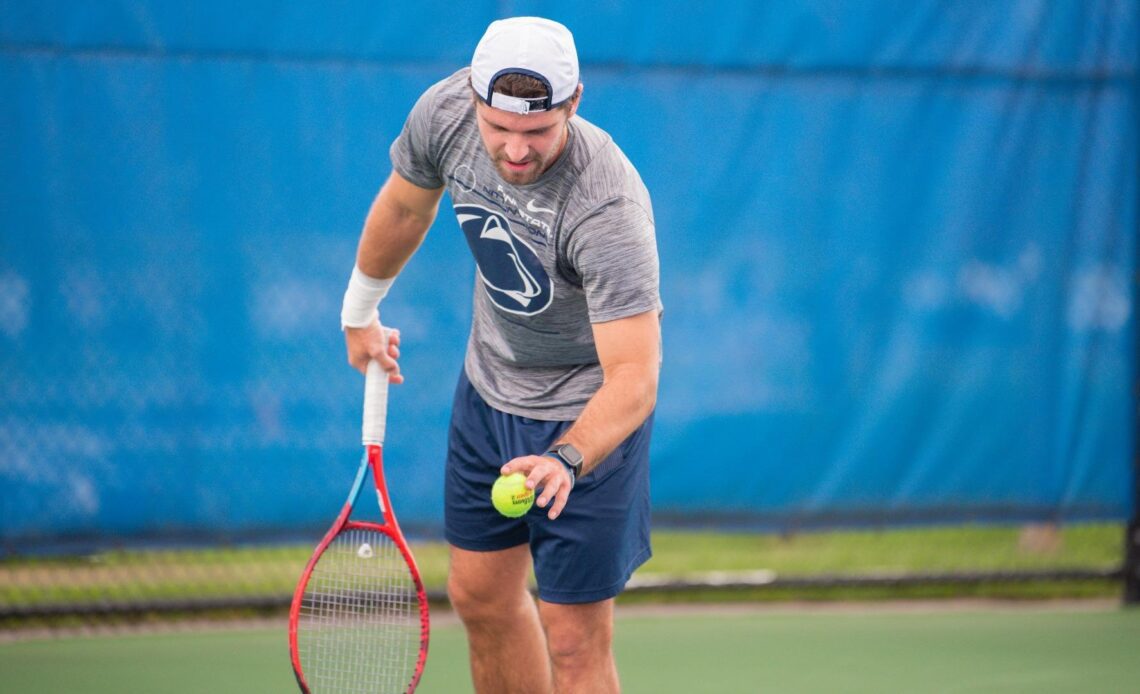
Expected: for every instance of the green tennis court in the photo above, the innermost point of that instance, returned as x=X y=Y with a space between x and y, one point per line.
x=976 y=648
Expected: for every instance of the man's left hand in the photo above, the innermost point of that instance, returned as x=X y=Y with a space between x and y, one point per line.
x=545 y=474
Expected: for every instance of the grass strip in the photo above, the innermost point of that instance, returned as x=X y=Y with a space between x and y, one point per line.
x=111 y=578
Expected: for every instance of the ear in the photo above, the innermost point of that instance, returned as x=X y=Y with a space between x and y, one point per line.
x=576 y=99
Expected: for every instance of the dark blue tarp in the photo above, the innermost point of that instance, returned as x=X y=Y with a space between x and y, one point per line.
x=897 y=245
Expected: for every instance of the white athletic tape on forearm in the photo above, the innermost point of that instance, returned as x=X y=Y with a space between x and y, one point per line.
x=361 y=299
x=375 y=404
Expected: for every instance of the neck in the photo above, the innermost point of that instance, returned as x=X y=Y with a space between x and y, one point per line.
x=562 y=143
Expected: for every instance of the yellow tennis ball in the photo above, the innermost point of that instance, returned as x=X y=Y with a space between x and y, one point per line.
x=510 y=496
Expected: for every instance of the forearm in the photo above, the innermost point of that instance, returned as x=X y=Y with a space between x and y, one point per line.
x=392 y=233
x=629 y=350
x=622 y=404
x=394 y=228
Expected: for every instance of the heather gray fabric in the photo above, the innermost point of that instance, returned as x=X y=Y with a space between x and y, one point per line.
x=574 y=248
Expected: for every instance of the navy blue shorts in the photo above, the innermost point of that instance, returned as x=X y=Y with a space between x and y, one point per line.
x=598 y=540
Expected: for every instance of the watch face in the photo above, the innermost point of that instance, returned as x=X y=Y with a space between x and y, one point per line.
x=570 y=454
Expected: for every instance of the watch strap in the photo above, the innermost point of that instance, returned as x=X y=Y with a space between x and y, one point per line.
x=555 y=454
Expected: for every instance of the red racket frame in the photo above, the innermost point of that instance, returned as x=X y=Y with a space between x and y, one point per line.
x=373 y=459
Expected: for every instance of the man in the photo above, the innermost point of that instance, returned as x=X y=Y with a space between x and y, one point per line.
x=560 y=376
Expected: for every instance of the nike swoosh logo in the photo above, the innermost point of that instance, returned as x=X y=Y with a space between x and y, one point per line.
x=531 y=207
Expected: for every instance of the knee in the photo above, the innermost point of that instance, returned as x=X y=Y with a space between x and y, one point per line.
x=466 y=599
x=475 y=602
x=574 y=646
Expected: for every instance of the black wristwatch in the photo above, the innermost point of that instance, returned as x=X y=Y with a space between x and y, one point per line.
x=570 y=457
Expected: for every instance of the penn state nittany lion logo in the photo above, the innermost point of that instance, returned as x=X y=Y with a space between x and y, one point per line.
x=511 y=271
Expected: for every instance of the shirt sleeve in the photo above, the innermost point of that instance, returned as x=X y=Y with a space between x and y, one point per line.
x=613 y=251
x=413 y=154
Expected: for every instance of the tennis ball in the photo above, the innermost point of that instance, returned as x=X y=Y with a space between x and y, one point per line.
x=510 y=496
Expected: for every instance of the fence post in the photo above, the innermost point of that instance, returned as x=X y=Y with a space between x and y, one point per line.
x=1132 y=562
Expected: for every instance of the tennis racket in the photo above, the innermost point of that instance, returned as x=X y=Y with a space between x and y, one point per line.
x=359 y=617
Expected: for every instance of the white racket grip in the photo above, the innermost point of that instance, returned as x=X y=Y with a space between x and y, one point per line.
x=375 y=404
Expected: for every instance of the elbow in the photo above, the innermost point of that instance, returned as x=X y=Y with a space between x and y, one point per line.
x=648 y=404
x=418 y=221
x=644 y=390
x=650 y=398
x=635 y=386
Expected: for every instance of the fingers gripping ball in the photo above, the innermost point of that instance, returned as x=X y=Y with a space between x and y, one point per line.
x=510 y=495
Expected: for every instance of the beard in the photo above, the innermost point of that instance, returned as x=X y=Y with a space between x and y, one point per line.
x=537 y=163
x=535 y=168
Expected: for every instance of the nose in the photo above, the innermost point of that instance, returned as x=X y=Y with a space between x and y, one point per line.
x=516 y=148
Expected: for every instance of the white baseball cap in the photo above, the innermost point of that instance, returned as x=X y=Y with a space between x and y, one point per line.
x=541 y=48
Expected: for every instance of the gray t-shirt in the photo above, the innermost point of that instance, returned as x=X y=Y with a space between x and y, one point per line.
x=574 y=248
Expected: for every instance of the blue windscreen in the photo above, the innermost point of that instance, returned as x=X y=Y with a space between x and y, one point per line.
x=897 y=240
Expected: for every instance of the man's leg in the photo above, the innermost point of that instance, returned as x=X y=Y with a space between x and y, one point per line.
x=504 y=635
x=580 y=639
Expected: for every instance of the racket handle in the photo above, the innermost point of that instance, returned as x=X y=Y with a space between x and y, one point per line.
x=375 y=404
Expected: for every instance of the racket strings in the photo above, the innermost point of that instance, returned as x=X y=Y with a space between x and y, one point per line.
x=359 y=625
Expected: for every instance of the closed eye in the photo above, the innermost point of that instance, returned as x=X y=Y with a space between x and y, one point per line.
x=535 y=131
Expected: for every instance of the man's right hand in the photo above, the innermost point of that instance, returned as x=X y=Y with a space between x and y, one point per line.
x=368 y=343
